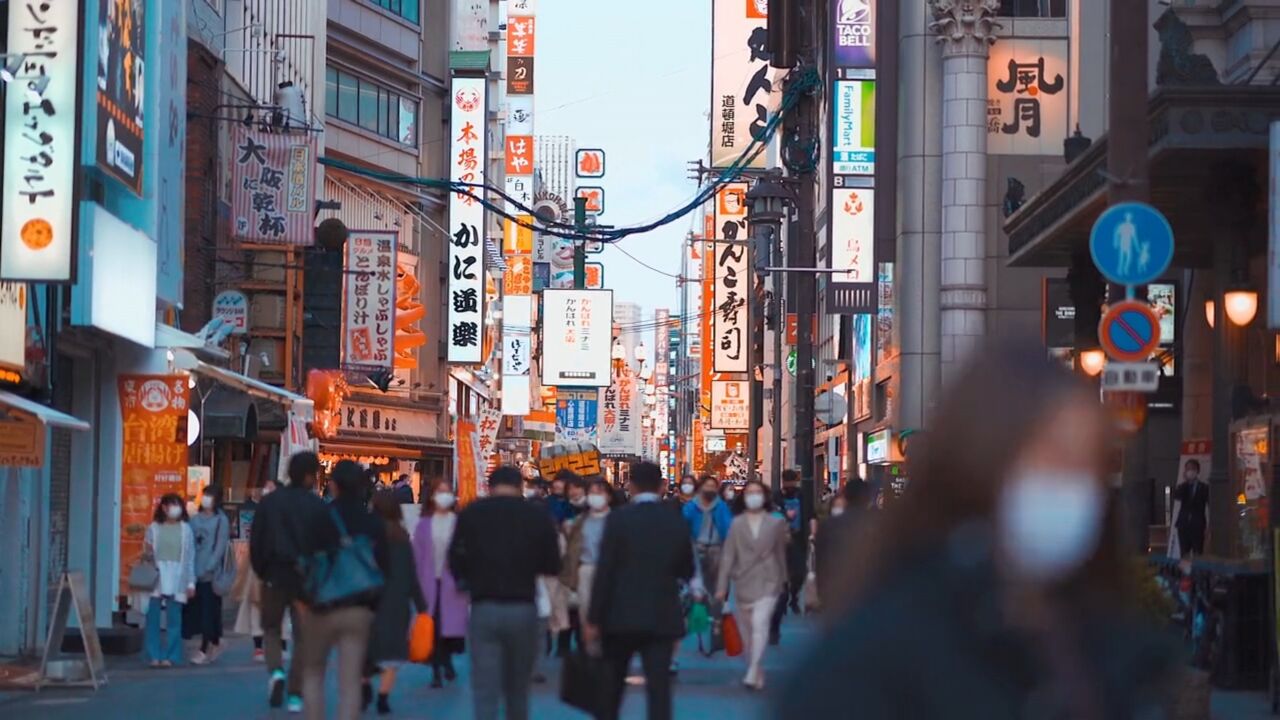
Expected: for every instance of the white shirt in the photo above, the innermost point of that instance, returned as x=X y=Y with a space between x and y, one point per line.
x=441 y=534
x=754 y=521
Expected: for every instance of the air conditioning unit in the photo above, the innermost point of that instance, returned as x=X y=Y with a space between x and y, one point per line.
x=267 y=311
x=268 y=267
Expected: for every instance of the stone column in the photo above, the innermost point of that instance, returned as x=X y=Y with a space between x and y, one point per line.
x=919 y=176
x=966 y=29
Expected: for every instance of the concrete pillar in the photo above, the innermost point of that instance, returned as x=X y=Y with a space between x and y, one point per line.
x=918 y=265
x=965 y=30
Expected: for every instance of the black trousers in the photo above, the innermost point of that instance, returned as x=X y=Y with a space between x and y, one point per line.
x=655 y=657
x=202 y=615
x=1191 y=539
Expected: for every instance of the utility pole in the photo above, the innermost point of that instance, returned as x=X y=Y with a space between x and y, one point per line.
x=779 y=328
x=580 y=245
x=755 y=361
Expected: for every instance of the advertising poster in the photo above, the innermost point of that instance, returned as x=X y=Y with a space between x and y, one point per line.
x=273 y=187
x=855 y=33
x=619 y=423
x=465 y=266
x=466 y=458
x=577 y=338
x=854 y=142
x=153 y=456
x=853 y=235
x=368 y=331
x=1027 y=97
x=122 y=28
x=730 y=405
x=577 y=415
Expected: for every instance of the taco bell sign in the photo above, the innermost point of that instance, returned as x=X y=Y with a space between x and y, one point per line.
x=855 y=32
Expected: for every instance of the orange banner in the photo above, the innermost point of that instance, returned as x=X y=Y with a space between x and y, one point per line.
x=465 y=441
x=154 y=455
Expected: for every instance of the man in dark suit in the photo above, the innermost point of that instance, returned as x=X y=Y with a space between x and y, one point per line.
x=635 y=599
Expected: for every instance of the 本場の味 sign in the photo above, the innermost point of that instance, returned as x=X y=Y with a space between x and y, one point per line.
x=154 y=452
x=272 y=187
x=744 y=88
x=466 y=222
x=42 y=148
x=1027 y=97
x=368 y=333
x=577 y=338
x=730 y=321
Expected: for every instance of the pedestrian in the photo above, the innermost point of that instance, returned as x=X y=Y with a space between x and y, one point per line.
x=849 y=515
x=729 y=493
x=248 y=593
x=688 y=486
x=1191 y=510
x=278 y=538
x=583 y=553
x=501 y=545
x=789 y=504
x=558 y=501
x=203 y=615
x=564 y=621
x=403 y=490
x=448 y=605
x=709 y=519
x=171 y=544
x=389 y=637
x=995 y=587
x=345 y=627
x=635 y=598
x=755 y=564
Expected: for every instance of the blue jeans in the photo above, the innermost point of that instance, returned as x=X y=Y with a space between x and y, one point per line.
x=171 y=650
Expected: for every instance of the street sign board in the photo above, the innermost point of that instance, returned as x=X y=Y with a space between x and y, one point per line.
x=1131 y=243
x=1143 y=377
x=1129 y=331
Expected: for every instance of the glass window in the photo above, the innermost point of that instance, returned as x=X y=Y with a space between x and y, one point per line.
x=347 y=93
x=330 y=91
x=407 y=130
x=368 y=106
x=407 y=9
x=1034 y=8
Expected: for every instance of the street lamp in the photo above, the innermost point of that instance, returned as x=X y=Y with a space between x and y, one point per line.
x=1241 y=305
x=1092 y=361
x=1209 y=308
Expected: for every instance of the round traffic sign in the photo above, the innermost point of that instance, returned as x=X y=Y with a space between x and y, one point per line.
x=1129 y=332
x=1131 y=243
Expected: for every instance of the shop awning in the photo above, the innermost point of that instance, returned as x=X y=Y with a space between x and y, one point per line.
x=229 y=414
x=46 y=414
x=172 y=338
x=303 y=407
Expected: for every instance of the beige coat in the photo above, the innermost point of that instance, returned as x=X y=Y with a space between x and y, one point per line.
x=755 y=564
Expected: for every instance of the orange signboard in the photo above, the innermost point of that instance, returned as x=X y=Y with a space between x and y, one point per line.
x=154 y=454
x=594 y=197
x=520 y=33
x=465 y=440
x=590 y=163
x=21 y=439
x=793 y=324
x=519 y=155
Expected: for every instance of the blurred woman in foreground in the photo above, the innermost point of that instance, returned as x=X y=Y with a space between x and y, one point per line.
x=994 y=588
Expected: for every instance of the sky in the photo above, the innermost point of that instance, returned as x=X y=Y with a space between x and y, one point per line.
x=632 y=78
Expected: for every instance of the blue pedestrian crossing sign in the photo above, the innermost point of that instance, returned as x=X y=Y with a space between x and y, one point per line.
x=1131 y=243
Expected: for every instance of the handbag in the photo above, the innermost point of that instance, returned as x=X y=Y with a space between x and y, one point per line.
x=422 y=638
x=343 y=576
x=586 y=683
x=144 y=575
x=732 y=637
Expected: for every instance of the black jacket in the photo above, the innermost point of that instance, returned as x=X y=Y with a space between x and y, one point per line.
x=325 y=535
x=931 y=641
x=281 y=533
x=389 y=639
x=500 y=547
x=644 y=555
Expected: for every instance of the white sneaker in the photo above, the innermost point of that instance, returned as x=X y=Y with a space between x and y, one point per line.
x=200 y=658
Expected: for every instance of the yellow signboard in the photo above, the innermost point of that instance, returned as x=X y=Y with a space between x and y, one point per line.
x=581 y=458
x=21 y=439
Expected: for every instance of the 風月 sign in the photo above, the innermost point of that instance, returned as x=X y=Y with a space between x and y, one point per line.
x=744 y=88
x=368 y=333
x=577 y=338
x=1027 y=97
x=730 y=405
x=466 y=222
x=39 y=206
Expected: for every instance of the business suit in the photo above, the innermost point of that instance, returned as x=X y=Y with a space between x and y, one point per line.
x=755 y=562
x=635 y=597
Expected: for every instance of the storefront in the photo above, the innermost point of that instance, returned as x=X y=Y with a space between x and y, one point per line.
x=390 y=440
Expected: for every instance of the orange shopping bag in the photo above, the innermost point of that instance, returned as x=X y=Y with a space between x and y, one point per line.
x=732 y=638
x=422 y=637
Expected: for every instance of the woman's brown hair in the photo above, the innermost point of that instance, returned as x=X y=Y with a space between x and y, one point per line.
x=386 y=506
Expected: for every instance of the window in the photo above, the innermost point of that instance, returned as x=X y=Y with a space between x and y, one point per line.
x=407 y=9
x=1034 y=8
x=373 y=107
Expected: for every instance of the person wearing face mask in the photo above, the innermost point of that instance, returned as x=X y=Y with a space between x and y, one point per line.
x=583 y=548
x=1191 y=509
x=170 y=543
x=688 y=486
x=448 y=605
x=709 y=519
x=754 y=563
x=729 y=494
x=203 y=615
x=999 y=575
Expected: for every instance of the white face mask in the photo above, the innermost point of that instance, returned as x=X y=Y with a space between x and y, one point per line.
x=1050 y=523
x=686 y=489
x=837 y=511
x=174 y=512
x=754 y=501
x=530 y=494
x=597 y=502
x=728 y=494
x=206 y=502
x=444 y=500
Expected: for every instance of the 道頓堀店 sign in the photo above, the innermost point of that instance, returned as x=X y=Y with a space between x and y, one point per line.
x=468 y=155
x=730 y=270
x=745 y=89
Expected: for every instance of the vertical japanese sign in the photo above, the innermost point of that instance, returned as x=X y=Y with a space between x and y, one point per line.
x=517 y=341
x=487 y=437
x=855 y=33
x=466 y=221
x=122 y=33
x=853 y=235
x=854 y=140
x=619 y=423
x=576 y=338
x=744 y=88
x=368 y=332
x=731 y=322
x=40 y=159
x=1027 y=97
x=466 y=459
x=154 y=454
x=272 y=187
x=730 y=405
